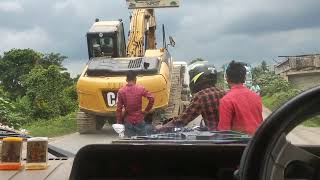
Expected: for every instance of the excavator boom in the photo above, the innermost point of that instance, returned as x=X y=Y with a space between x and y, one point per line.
x=142 y=32
x=143 y=25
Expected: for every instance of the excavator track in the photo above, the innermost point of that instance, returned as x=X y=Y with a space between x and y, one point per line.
x=86 y=123
x=185 y=92
x=175 y=102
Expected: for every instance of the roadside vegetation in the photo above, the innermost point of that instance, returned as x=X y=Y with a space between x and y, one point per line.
x=37 y=93
x=276 y=91
x=55 y=127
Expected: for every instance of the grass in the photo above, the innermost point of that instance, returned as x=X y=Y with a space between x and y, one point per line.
x=313 y=122
x=54 y=127
x=266 y=102
x=269 y=101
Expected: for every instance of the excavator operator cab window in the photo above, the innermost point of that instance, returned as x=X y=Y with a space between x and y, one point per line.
x=101 y=46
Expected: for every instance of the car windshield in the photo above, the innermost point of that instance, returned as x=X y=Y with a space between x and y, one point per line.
x=216 y=86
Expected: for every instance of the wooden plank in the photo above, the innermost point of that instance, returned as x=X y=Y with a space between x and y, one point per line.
x=7 y=174
x=37 y=174
x=58 y=169
x=62 y=172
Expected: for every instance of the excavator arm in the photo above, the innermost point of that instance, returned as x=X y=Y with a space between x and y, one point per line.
x=142 y=32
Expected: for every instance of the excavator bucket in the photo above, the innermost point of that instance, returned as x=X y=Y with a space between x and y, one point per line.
x=150 y=4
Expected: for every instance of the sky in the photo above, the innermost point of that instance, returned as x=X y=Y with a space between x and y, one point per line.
x=216 y=30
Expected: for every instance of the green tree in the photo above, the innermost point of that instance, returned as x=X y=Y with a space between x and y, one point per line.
x=9 y=115
x=3 y=93
x=5 y=109
x=14 y=64
x=17 y=63
x=45 y=92
x=53 y=59
x=220 y=79
x=75 y=79
x=260 y=70
x=264 y=66
x=257 y=72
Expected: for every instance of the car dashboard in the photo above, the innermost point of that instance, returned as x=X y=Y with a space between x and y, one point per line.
x=169 y=161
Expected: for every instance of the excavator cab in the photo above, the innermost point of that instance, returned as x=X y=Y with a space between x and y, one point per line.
x=106 y=39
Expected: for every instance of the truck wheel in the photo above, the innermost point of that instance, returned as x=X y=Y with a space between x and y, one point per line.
x=86 y=123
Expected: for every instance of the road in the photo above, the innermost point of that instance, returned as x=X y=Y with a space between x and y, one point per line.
x=301 y=134
x=73 y=142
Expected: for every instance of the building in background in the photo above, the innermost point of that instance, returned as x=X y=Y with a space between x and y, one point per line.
x=302 y=71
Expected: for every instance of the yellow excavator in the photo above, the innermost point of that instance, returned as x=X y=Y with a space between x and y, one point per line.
x=110 y=58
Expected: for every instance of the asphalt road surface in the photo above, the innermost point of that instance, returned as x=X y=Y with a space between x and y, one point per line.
x=73 y=142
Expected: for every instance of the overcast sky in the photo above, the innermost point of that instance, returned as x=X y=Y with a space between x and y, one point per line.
x=216 y=30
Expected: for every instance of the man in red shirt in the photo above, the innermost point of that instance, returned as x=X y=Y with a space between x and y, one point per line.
x=240 y=109
x=130 y=98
